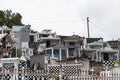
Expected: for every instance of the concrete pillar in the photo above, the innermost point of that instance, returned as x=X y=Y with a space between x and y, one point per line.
x=67 y=53
x=118 y=55
x=33 y=78
x=96 y=55
x=79 y=52
x=38 y=78
x=60 y=50
x=100 y=56
x=52 y=52
x=42 y=78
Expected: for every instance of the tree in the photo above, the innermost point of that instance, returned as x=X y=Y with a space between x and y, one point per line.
x=8 y=16
x=16 y=19
x=9 y=19
x=13 y=52
x=2 y=18
x=33 y=31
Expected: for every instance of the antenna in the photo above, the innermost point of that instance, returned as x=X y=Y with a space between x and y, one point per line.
x=88 y=27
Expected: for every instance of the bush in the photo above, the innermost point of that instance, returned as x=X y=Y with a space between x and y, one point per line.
x=118 y=62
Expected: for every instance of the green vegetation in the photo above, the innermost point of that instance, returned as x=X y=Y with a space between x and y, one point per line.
x=33 y=31
x=9 y=19
x=13 y=52
x=118 y=62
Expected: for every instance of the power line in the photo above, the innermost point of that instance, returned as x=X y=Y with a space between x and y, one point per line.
x=101 y=30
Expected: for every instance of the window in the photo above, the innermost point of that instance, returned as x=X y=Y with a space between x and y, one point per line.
x=56 y=53
x=4 y=31
x=8 y=48
x=44 y=35
x=71 y=51
x=71 y=43
x=0 y=46
x=47 y=43
x=0 y=31
x=64 y=55
x=48 y=52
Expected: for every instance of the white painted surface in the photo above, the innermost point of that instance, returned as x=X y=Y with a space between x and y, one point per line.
x=24 y=45
x=115 y=70
x=11 y=60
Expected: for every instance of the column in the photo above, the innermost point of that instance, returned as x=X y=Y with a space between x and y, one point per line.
x=100 y=56
x=42 y=78
x=79 y=52
x=52 y=52
x=67 y=53
x=60 y=50
x=38 y=78
x=96 y=55
x=118 y=55
x=33 y=78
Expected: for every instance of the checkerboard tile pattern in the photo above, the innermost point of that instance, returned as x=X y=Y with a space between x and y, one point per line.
x=107 y=64
x=34 y=74
x=65 y=69
x=20 y=71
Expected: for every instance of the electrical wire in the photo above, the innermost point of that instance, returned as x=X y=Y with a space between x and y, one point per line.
x=96 y=26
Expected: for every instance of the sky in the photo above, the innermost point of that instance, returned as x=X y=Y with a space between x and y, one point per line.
x=68 y=17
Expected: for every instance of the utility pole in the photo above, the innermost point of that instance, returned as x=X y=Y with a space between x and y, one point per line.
x=88 y=27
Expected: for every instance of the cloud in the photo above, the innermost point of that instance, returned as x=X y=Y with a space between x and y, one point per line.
x=68 y=16
x=105 y=14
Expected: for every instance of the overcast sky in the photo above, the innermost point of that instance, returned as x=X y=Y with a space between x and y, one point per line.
x=69 y=16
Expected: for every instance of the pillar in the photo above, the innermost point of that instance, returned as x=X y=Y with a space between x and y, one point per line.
x=118 y=55
x=33 y=78
x=100 y=56
x=79 y=52
x=52 y=52
x=67 y=53
x=96 y=55
x=60 y=50
x=42 y=78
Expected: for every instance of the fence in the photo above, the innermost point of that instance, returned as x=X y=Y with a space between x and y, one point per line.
x=60 y=72
x=45 y=75
x=7 y=76
x=80 y=75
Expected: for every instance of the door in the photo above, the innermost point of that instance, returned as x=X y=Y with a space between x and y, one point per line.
x=106 y=56
x=47 y=43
